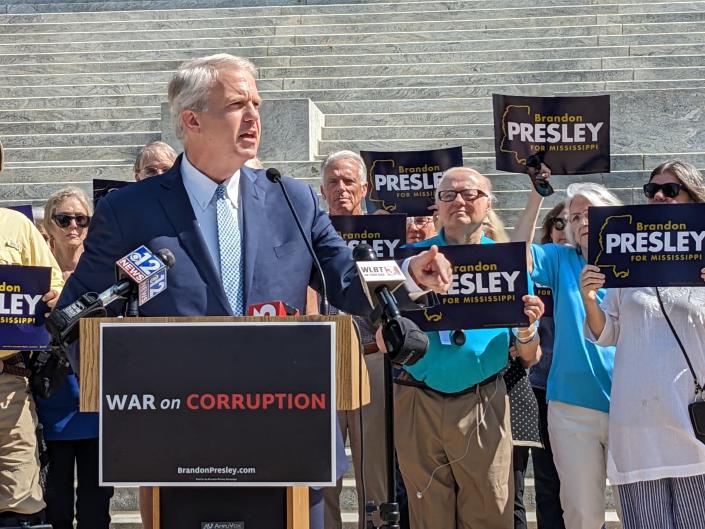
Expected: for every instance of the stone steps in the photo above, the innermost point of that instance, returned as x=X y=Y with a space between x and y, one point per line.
x=91 y=126
x=341 y=24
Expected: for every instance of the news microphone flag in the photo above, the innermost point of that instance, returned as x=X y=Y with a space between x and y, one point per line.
x=144 y=269
x=271 y=308
x=379 y=274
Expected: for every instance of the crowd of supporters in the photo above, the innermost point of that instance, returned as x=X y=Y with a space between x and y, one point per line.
x=608 y=379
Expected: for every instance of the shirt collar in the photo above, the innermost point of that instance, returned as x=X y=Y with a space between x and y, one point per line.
x=202 y=189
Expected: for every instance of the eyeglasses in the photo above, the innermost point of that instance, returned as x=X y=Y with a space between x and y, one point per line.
x=64 y=221
x=558 y=223
x=577 y=217
x=669 y=189
x=419 y=221
x=468 y=195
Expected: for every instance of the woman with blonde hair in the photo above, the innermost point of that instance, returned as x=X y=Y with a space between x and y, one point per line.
x=72 y=436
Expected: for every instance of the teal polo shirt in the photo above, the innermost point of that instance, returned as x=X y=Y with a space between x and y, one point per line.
x=453 y=368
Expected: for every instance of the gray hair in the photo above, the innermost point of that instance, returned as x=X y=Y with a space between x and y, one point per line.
x=345 y=155
x=596 y=194
x=469 y=171
x=688 y=174
x=153 y=150
x=56 y=198
x=191 y=83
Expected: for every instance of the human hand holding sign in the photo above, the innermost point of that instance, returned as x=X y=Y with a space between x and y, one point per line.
x=591 y=280
x=431 y=270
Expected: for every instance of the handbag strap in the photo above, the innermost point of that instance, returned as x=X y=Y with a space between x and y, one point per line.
x=698 y=387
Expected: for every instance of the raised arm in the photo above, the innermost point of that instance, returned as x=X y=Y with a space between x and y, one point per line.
x=526 y=223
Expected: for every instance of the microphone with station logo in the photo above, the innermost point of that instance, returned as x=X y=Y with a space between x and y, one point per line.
x=272 y=308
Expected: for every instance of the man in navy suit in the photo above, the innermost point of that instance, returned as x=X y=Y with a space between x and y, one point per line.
x=233 y=237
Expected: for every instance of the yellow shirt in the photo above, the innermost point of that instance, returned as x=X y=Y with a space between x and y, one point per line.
x=22 y=244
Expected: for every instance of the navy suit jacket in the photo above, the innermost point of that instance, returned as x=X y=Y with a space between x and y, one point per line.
x=157 y=212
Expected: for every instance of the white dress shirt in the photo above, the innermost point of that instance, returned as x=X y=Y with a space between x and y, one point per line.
x=201 y=192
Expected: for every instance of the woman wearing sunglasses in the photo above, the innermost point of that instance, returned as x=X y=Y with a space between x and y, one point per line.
x=72 y=437
x=654 y=457
x=67 y=214
x=579 y=381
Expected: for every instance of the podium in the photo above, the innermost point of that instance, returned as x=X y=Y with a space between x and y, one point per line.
x=248 y=352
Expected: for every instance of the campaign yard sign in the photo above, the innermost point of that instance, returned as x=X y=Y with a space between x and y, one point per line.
x=21 y=307
x=571 y=135
x=488 y=283
x=240 y=403
x=405 y=182
x=648 y=245
x=546 y=295
x=25 y=209
x=384 y=233
x=102 y=187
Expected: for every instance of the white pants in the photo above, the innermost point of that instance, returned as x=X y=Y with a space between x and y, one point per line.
x=579 y=442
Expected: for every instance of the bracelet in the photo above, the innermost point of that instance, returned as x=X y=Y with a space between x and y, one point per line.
x=534 y=337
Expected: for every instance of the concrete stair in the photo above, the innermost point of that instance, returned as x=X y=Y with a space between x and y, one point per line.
x=82 y=81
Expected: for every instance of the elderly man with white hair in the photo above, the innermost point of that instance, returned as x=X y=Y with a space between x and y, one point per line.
x=452 y=430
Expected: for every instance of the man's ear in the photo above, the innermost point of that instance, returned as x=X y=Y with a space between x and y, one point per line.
x=364 y=186
x=190 y=121
x=323 y=193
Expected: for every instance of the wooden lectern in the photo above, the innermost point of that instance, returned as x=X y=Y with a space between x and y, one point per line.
x=352 y=391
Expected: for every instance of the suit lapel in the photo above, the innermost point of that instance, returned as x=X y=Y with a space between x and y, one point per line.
x=253 y=191
x=177 y=207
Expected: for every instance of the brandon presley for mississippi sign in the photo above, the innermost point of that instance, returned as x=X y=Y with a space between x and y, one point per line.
x=569 y=134
x=648 y=245
x=21 y=307
x=405 y=182
x=384 y=233
x=488 y=283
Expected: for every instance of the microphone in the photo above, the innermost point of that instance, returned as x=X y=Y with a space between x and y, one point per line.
x=271 y=308
x=274 y=176
x=406 y=344
x=140 y=272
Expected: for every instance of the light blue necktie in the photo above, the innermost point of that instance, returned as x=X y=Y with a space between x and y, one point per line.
x=230 y=245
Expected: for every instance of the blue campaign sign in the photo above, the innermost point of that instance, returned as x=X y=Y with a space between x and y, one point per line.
x=648 y=245
x=102 y=187
x=489 y=281
x=21 y=307
x=386 y=234
x=405 y=182
x=25 y=209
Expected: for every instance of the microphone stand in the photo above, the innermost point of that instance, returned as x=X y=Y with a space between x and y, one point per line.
x=388 y=511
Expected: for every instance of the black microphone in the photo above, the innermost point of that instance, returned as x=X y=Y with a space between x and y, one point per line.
x=140 y=271
x=406 y=344
x=274 y=176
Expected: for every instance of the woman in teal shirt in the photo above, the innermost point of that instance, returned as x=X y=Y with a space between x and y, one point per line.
x=579 y=383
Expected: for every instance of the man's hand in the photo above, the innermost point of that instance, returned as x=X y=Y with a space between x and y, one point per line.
x=431 y=270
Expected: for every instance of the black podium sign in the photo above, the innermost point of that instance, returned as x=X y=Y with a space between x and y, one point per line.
x=217 y=404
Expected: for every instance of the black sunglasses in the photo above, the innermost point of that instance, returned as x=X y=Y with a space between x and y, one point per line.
x=558 y=223
x=64 y=221
x=669 y=189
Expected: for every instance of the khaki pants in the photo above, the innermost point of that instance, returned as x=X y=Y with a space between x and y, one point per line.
x=457 y=452
x=374 y=448
x=20 y=491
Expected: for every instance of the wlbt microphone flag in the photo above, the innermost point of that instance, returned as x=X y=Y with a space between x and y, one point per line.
x=146 y=270
x=271 y=308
